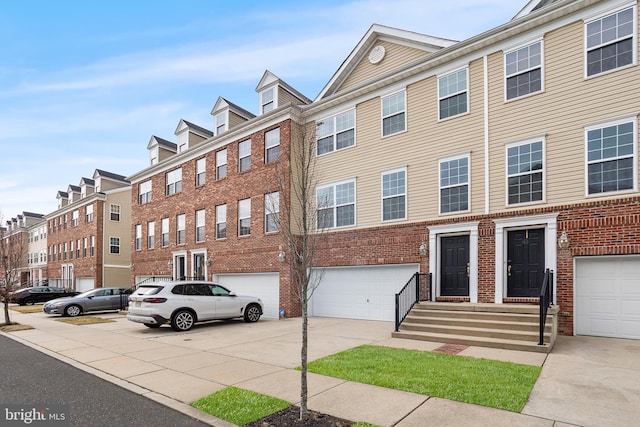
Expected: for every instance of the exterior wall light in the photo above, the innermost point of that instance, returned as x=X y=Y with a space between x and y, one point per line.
x=281 y=254
x=170 y=263
x=131 y=266
x=423 y=249
x=208 y=262
x=563 y=240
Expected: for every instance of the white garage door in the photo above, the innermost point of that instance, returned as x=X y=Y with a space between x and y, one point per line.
x=361 y=292
x=608 y=296
x=265 y=286
x=84 y=284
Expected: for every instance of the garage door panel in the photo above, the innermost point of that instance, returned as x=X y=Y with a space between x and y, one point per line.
x=607 y=295
x=265 y=286
x=360 y=292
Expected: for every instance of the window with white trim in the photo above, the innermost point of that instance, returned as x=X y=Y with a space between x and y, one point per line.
x=84 y=247
x=92 y=250
x=138 y=237
x=272 y=145
x=181 y=231
x=394 y=118
x=151 y=234
x=114 y=213
x=336 y=205
x=201 y=171
x=200 y=235
x=221 y=164
x=78 y=246
x=174 y=181
x=244 y=155
x=610 y=42
x=144 y=192
x=525 y=172
x=165 y=232
x=221 y=222
x=267 y=100
x=271 y=211
x=114 y=245
x=452 y=94
x=394 y=195
x=221 y=122
x=75 y=215
x=244 y=217
x=89 y=213
x=454 y=184
x=336 y=132
x=611 y=157
x=523 y=70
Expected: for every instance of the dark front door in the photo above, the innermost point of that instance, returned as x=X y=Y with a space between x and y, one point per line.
x=454 y=278
x=525 y=262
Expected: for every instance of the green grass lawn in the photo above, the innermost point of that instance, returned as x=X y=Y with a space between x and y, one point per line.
x=239 y=406
x=484 y=382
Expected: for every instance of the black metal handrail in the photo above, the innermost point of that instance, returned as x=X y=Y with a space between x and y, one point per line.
x=546 y=297
x=408 y=296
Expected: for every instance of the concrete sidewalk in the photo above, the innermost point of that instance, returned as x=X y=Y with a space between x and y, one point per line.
x=178 y=368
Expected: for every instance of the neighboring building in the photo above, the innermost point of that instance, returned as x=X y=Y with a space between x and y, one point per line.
x=37 y=250
x=89 y=234
x=32 y=271
x=202 y=207
x=500 y=156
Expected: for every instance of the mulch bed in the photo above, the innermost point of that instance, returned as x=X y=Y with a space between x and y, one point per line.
x=290 y=417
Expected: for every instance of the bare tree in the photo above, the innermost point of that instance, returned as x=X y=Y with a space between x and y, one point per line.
x=11 y=261
x=297 y=220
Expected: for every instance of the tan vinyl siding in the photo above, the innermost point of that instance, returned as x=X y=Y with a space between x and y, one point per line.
x=164 y=154
x=117 y=277
x=122 y=229
x=395 y=57
x=419 y=149
x=235 y=120
x=285 y=97
x=194 y=139
x=560 y=113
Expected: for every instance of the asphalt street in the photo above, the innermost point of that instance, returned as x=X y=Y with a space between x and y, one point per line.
x=30 y=378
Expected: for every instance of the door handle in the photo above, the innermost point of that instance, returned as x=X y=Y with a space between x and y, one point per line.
x=468 y=269
x=509 y=268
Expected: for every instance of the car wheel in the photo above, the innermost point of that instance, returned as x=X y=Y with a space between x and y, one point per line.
x=152 y=326
x=252 y=313
x=28 y=301
x=72 y=310
x=183 y=320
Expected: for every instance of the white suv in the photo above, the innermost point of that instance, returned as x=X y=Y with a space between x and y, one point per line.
x=184 y=303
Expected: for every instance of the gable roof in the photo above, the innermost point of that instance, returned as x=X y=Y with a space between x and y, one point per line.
x=428 y=44
x=156 y=140
x=184 y=124
x=222 y=103
x=87 y=181
x=269 y=79
x=73 y=189
x=109 y=175
x=534 y=5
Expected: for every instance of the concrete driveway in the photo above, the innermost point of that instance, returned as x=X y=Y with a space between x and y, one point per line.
x=589 y=381
x=584 y=381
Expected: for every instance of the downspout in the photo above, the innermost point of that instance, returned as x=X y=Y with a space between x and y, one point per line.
x=486 y=134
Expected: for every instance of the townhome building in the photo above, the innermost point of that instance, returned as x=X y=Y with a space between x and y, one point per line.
x=37 y=250
x=486 y=162
x=88 y=238
x=205 y=206
x=28 y=233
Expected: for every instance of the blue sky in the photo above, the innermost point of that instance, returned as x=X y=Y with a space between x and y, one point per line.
x=84 y=85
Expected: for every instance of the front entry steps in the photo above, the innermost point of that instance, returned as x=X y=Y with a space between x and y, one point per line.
x=508 y=326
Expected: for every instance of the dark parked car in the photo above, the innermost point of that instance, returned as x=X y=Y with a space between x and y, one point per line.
x=28 y=296
x=99 y=299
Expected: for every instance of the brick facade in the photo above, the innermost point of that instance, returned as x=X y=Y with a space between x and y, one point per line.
x=607 y=227
x=255 y=253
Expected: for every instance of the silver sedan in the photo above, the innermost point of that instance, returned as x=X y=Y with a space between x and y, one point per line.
x=99 y=299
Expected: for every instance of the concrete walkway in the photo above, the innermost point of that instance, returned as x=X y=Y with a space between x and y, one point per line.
x=585 y=381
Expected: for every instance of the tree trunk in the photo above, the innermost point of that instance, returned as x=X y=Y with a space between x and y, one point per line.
x=303 y=357
x=7 y=320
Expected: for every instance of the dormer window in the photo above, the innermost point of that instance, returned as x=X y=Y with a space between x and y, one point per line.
x=153 y=154
x=267 y=101
x=221 y=123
